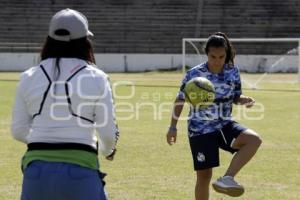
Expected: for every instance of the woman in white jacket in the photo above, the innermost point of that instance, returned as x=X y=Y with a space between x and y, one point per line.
x=58 y=106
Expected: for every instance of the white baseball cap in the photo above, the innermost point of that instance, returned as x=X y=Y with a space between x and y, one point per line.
x=74 y=24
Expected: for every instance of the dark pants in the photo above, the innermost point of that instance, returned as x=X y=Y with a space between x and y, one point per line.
x=61 y=181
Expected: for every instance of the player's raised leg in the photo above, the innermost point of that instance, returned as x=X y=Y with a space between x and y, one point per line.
x=247 y=142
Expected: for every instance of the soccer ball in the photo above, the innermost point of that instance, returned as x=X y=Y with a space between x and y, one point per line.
x=199 y=92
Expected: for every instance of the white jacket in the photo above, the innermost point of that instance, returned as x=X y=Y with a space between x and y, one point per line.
x=68 y=110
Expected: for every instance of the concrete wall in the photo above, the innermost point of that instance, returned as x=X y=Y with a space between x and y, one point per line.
x=257 y=63
x=148 y=62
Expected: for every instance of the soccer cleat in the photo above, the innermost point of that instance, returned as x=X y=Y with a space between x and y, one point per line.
x=227 y=185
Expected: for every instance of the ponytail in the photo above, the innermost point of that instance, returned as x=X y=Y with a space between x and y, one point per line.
x=56 y=70
x=56 y=74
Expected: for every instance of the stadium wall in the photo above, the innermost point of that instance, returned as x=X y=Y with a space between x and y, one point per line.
x=150 y=62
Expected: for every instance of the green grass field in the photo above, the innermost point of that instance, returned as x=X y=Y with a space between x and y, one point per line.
x=145 y=167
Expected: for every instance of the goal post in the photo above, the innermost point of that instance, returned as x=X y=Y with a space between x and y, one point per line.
x=246 y=40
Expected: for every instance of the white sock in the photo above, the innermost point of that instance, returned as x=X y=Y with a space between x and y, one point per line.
x=227 y=176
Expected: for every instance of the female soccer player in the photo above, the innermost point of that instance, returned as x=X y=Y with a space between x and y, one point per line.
x=58 y=105
x=212 y=128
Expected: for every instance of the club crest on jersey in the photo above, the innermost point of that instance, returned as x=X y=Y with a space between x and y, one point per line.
x=200 y=157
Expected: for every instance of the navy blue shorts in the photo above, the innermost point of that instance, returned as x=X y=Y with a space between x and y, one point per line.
x=205 y=148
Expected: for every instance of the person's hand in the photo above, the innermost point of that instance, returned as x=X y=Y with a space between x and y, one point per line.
x=171 y=135
x=111 y=156
x=247 y=101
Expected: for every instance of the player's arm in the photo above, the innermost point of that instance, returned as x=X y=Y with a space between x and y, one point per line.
x=177 y=109
x=21 y=119
x=176 y=112
x=244 y=100
x=105 y=121
x=240 y=99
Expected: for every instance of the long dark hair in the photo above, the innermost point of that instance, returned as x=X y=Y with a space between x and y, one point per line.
x=81 y=48
x=220 y=39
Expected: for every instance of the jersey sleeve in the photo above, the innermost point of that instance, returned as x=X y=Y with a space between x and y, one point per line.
x=180 y=94
x=105 y=121
x=237 y=85
x=21 y=119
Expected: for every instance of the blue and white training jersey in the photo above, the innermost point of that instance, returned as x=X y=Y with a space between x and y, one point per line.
x=227 y=86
